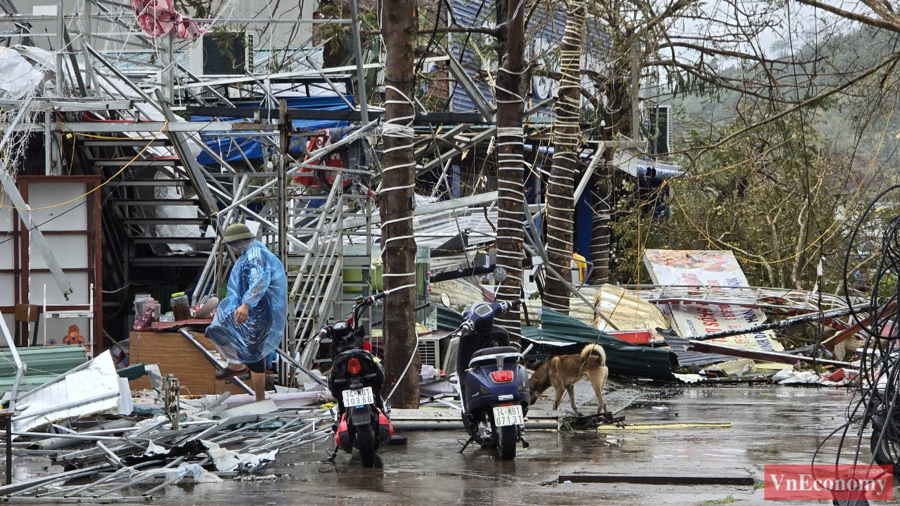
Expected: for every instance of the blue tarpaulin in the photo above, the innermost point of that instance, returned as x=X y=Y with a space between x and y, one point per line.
x=230 y=148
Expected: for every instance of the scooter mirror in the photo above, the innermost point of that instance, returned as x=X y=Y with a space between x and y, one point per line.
x=445 y=300
x=500 y=274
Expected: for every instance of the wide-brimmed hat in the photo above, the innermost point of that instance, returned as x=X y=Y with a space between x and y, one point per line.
x=236 y=232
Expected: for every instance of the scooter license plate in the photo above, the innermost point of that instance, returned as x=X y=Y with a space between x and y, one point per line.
x=508 y=415
x=360 y=397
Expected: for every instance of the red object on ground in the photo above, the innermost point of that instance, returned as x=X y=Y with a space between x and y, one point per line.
x=342 y=429
x=383 y=420
x=835 y=376
x=638 y=337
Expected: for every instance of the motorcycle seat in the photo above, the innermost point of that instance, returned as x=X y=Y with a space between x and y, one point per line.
x=500 y=350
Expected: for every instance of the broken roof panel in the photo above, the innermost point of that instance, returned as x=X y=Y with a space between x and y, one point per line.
x=621 y=357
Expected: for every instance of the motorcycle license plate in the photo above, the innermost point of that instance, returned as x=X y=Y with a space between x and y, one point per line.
x=508 y=415
x=360 y=397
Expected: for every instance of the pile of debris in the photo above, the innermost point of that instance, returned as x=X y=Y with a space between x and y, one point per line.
x=107 y=443
x=700 y=321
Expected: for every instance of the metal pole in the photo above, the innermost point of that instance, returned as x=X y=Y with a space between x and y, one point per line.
x=60 y=45
x=9 y=448
x=87 y=29
x=782 y=324
x=281 y=212
x=635 y=94
x=360 y=73
x=48 y=154
x=167 y=79
x=213 y=361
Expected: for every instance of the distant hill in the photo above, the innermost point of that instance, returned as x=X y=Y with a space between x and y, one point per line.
x=858 y=121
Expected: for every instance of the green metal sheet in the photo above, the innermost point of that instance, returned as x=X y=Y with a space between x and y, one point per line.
x=43 y=363
x=448 y=319
x=621 y=357
x=29 y=382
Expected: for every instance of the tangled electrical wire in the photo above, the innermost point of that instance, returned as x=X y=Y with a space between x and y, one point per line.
x=875 y=402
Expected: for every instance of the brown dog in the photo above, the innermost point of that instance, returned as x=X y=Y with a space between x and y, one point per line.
x=563 y=372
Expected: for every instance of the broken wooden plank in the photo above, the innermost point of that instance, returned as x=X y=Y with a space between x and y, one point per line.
x=852 y=330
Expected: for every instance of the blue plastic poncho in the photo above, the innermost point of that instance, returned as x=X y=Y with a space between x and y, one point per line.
x=258 y=280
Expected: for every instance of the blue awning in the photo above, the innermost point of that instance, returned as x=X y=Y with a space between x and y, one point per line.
x=230 y=148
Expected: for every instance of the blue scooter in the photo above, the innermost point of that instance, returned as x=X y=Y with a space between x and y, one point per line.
x=493 y=383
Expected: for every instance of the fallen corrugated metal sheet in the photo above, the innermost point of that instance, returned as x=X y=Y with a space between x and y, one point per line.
x=448 y=319
x=627 y=311
x=43 y=363
x=691 y=358
x=621 y=357
x=563 y=335
x=94 y=387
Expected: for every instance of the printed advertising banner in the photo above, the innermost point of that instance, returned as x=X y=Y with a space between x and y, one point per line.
x=708 y=268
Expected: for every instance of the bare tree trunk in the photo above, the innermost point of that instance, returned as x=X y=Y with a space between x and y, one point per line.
x=511 y=166
x=398 y=246
x=601 y=181
x=566 y=140
x=617 y=121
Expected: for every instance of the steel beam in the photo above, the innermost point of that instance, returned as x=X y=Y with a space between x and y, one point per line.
x=360 y=72
x=339 y=115
x=586 y=178
x=212 y=360
x=251 y=129
x=179 y=141
x=471 y=89
x=277 y=76
x=45 y=104
x=444 y=205
x=487 y=134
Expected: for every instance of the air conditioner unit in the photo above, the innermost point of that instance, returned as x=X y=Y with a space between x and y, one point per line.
x=227 y=54
x=430 y=351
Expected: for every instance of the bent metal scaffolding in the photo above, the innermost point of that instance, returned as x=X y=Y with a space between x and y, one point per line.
x=128 y=105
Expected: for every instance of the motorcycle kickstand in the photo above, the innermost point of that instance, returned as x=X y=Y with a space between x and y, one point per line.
x=466 y=445
x=524 y=443
x=332 y=455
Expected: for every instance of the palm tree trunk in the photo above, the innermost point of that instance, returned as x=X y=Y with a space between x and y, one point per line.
x=566 y=141
x=398 y=246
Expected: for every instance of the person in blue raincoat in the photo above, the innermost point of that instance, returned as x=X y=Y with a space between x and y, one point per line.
x=249 y=324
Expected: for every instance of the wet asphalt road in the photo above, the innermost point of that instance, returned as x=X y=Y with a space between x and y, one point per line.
x=769 y=426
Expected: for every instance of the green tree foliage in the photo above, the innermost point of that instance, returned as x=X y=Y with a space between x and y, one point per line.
x=779 y=197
